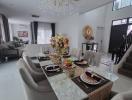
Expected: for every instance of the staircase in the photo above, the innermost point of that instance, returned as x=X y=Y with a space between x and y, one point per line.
x=125 y=65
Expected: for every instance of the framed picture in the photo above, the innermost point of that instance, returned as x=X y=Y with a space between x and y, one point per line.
x=22 y=34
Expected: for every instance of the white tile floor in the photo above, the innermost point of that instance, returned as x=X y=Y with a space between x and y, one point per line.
x=123 y=83
x=11 y=86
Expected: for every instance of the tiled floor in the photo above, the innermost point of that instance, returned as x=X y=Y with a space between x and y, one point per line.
x=123 y=83
x=11 y=86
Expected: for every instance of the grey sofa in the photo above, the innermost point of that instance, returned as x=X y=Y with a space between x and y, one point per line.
x=8 y=50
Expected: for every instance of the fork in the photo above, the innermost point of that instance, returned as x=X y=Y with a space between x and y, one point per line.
x=82 y=83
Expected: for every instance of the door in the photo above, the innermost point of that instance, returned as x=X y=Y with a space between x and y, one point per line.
x=116 y=37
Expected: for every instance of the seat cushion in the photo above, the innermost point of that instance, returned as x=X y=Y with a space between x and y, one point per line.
x=45 y=84
x=123 y=96
x=118 y=97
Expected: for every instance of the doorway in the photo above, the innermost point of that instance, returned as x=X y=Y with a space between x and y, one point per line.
x=119 y=29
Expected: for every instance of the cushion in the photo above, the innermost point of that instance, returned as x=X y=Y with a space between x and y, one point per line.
x=11 y=46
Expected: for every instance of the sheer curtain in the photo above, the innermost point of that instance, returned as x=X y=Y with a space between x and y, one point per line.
x=44 y=33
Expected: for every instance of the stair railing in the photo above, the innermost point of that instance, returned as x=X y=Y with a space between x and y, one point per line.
x=122 y=49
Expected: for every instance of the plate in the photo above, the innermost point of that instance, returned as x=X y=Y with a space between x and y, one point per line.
x=52 y=68
x=81 y=63
x=66 y=56
x=90 y=78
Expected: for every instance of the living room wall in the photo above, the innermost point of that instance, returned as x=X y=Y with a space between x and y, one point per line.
x=70 y=28
x=16 y=26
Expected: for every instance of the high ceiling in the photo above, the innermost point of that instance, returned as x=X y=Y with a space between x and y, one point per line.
x=46 y=9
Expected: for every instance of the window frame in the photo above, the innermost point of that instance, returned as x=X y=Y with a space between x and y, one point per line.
x=121 y=7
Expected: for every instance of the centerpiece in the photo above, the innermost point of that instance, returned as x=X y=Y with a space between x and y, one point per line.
x=60 y=44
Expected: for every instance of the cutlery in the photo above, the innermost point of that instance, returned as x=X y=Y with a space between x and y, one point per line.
x=82 y=83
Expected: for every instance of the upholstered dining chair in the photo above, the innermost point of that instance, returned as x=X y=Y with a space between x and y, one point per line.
x=75 y=52
x=29 y=62
x=92 y=57
x=35 y=91
x=37 y=73
x=123 y=96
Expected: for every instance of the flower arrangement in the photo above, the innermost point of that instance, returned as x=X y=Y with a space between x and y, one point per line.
x=60 y=44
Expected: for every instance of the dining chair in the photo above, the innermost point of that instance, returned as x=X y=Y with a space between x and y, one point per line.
x=92 y=57
x=123 y=96
x=35 y=91
x=75 y=52
x=37 y=73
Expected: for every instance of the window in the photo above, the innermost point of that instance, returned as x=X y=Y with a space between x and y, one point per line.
x=119 y=22
x=124 y=21
x=44 y=33
x=118 y=4
x=130 y=20
x=129 y=29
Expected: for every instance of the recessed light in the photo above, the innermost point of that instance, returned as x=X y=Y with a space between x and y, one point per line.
x=35 y=16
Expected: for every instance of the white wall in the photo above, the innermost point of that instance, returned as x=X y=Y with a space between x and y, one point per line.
x=69 y=27
x=113 y=15
x=16 y=26
x=100 y=17
x=94 y=18
x=73 y=25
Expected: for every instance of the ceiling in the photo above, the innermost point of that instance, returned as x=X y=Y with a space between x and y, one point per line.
x=23 y=9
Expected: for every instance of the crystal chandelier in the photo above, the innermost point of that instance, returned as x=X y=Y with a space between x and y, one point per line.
x=59 y=7
x=61 y=3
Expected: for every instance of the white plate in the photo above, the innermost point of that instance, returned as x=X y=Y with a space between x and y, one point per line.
x=52 y=70
x=86 y=80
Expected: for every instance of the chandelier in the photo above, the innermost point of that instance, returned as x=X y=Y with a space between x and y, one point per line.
x=61 y=3
x=59 y=7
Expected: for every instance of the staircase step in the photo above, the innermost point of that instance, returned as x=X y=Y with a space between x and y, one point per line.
x=127 y=65
x=129 y=60
x=125 y=72
x=130 y=55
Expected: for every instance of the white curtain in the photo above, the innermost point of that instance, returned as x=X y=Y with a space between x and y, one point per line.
x=44 y=33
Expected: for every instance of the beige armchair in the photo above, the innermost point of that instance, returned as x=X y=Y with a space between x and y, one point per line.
x=35 y=91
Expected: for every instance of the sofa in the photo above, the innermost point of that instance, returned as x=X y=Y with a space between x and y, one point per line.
x=8 y=50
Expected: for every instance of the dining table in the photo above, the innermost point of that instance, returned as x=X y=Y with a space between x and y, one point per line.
x=72 y=88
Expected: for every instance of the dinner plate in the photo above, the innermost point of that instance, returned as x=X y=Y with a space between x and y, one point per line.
x=90 y=80
x=66 y=56
x=81 y=63
x=52 y=68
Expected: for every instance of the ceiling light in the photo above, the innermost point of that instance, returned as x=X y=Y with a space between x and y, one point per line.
x=35 y=16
